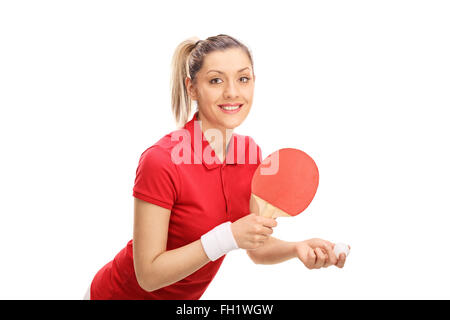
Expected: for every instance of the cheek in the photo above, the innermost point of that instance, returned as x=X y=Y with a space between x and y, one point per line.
x=248 y=93
x=209 y=95
x=213 y=99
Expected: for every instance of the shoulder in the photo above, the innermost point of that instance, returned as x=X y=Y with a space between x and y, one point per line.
x=162 y=149
x=158 y=158
x=157 y=179
x=156 y=165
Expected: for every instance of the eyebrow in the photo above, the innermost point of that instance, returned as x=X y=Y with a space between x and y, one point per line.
x=222 y=72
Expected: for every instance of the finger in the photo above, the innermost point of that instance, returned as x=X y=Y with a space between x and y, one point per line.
x=268 y=222
x=309 y=259
x=332 y=259
x=341 y=261
x=266 y=231
x=325 y=249
x=260 y=238
x=320 y=258
x=324 y=244
x=329 y=243
x=326 y=262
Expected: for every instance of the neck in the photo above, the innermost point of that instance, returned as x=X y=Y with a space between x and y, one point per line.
x=218 y=137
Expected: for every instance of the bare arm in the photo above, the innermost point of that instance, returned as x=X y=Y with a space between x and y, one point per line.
x=314 y=253
x=273 y=251
x=155 y=267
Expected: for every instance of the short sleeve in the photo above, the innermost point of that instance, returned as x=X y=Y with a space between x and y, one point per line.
x=157 y=179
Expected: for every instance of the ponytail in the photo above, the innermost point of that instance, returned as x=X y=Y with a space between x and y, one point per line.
x=181 y=102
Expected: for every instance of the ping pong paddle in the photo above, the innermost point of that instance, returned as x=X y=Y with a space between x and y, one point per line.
x=284 y=184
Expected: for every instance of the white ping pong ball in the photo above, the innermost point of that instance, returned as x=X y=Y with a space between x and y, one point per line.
x=339 y=248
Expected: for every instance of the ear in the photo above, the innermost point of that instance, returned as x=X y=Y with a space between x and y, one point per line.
x=190 y=88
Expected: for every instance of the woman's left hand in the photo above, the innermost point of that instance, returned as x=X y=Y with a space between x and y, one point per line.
x=318 y=253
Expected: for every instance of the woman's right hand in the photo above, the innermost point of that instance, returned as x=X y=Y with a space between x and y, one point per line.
x=252 y=231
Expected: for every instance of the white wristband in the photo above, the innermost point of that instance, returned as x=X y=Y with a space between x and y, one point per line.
x=219 y=241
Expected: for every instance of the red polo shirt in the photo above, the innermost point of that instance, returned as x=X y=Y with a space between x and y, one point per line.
x=181 y=173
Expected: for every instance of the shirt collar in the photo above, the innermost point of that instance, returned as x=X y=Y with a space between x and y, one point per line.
x=202 y=149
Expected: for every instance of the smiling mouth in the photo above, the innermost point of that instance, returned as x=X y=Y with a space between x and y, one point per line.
x=230 y=108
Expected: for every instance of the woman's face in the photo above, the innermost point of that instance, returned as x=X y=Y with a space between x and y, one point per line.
x=226 y=78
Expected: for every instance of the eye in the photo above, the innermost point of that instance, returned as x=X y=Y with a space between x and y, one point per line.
x=212 y=80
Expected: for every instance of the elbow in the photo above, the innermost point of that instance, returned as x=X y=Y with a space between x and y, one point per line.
x=144 y=279
x=146 y=284
x=254 y=257
x=148 y=276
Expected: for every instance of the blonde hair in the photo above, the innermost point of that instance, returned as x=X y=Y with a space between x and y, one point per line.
x=187 y=61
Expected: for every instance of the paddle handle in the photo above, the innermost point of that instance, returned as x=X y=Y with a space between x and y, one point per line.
x=268 y=210
x=264 y=208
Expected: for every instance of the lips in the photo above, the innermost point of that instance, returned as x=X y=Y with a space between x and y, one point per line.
x=230 y=107
x=230 y=104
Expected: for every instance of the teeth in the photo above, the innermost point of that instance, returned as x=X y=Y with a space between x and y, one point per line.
x=230 y=108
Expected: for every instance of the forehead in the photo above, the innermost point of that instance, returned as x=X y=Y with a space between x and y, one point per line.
x=229 y=60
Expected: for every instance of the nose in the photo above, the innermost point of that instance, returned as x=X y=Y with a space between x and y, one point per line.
x=231 y=91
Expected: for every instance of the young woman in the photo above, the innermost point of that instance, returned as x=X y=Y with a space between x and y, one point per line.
x=192 y=187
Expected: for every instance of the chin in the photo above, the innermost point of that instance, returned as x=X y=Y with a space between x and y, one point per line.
x=233 y=123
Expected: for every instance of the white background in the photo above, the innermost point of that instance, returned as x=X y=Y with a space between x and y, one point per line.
x=361 y=86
